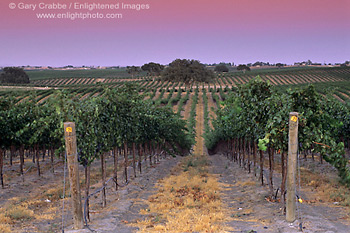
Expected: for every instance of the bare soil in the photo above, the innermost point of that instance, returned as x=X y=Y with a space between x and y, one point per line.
x=247 y=206
x=250 y=209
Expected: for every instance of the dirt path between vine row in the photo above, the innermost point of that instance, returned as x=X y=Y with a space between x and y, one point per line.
x=246 y=208
x=249 y=210
x=129 y=200
x=199 y=146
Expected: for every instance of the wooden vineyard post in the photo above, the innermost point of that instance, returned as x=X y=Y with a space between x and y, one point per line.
x=2 y=155
x=73 y=170
x=292 y=166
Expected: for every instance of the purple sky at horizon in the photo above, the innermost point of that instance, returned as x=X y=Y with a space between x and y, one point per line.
x=239 y=31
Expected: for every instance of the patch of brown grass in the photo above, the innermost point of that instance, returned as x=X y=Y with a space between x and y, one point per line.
x=5 y=222
x=187 y=202
x=3 y=218
x=246 y=183
x=322 y=187
x=23 y=210
x=5 y=228
x=325 y=188
x=55 y=193
x=18 y=212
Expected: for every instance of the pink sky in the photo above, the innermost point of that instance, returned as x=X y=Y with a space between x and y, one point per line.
x=238 y=31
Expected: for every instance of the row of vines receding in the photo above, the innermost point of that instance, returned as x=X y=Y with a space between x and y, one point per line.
x=118 y=122
x=255 y=118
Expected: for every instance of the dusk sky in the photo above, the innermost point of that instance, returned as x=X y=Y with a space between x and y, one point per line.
x=239 y=31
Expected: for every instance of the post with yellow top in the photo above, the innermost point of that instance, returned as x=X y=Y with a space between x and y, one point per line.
x=73 y=170
x=292 y=166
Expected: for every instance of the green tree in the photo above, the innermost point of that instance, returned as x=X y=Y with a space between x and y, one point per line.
x=14 y=75
x=133 y=70
x=244 y=68
x=279 y=65
x=221 y=68
x=187 y=71
x=153 y=68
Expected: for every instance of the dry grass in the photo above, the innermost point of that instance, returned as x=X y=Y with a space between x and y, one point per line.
x=246 y=183
x=322 y=187
x=325 y=188
x=5 y=228
x=42 y=204
x=187 y=202
x=55 y=193
x=19 y=212
x=5 y=222
x=19 y=216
